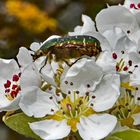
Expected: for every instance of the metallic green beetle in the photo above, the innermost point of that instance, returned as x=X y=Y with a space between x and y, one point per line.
x=69 y=47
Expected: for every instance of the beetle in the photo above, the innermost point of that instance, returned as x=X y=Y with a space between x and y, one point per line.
x=69 y=47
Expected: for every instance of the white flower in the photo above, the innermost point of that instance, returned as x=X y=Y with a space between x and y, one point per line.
x=84 y=92
x=10 y=79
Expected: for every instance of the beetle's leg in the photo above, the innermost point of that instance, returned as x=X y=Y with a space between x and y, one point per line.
x=67 y=63
x=70 y=64
x=43 y=65
x=48 y=59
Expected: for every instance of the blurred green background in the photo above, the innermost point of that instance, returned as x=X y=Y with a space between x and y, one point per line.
x=25 y=21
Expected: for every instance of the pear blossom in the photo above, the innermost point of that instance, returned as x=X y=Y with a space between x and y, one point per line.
x=77 y=105
x=127 y=108
x=10 y=76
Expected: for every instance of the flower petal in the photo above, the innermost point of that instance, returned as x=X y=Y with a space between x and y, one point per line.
x=8 y=68
x=7 y=105
x=30 y=77
x=116 y=16
x=112 y=35
x=24 y=57
x=48 y=72
x=82 y=76
x=106 y=62
x=132 y=5
x=96 y=127
x=87 y=28
x=35 y=46
x=107 y=92
x=50 y=129
x=37 y=103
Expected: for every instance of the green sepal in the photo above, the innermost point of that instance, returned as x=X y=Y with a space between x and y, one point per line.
x=20 y=123
x=130 y=134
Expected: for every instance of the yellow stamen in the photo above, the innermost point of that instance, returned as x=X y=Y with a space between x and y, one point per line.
x=128 y=86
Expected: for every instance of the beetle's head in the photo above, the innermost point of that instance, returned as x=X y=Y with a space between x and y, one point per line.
x=37 y=54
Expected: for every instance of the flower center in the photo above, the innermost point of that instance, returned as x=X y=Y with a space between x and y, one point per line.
x=126 y=106
x=73 y=110
x=123 y=65
x=12 y=87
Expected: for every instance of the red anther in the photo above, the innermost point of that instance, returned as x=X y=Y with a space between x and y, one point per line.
x=138 y=5
x=8 y=84
x=117 y=68
x=132 y=5
x=13 y=94
x=14 y=86
x=15 y=78
x=114 y=55
x=7 y=90
x=125 y=68
x=17 y=90
x=69 y=107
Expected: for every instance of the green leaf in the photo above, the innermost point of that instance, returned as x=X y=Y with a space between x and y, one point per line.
x=113 y=138
x=130 y=134
x=19 y=123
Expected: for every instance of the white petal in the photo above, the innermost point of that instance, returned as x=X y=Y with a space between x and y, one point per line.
x=24 y=57
x=30 y=77
x=106 y=62
x=137 y=15
x=107 y=92
x=37 y=103
x=135 y=77
x=35 y=46
x=125 y=44
x=7 y=105
x=50 y=129
x=87 y=28
x=135 y=9
x=96 y=127
x=116 y=16
x=48 y=71
x=135 y=37
x=84 y=72
x=112 y=35
x=8 y=68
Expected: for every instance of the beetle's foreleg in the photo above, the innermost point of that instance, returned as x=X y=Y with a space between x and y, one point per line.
x=43 y=65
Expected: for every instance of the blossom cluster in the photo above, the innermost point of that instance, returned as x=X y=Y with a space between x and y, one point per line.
x=94 y=96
